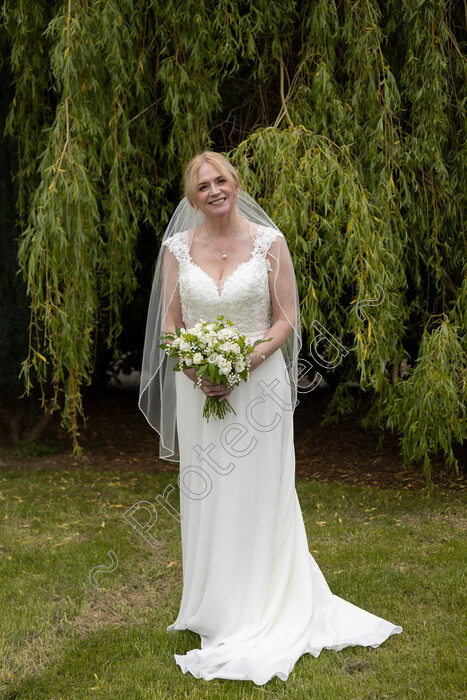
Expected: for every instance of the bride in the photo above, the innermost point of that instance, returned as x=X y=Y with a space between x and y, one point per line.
x=251 y=588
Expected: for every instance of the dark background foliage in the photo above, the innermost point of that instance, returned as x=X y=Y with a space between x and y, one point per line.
x=346 y=121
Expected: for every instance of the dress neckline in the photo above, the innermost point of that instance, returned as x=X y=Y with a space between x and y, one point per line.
x=216 y=285
x=241 y=264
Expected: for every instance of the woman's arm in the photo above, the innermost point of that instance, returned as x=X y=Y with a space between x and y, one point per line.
x=282 y=292
x=172 y=304
x=171 y=294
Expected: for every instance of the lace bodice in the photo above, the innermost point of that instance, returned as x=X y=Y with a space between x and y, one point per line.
x=244 y=297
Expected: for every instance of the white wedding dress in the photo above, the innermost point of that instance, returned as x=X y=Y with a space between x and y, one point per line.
x=251 y=588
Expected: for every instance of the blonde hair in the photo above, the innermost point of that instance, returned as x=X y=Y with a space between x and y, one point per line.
x=222 y=164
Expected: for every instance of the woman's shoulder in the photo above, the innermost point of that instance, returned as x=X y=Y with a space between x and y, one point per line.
x=264 y=236
x=263 y=231
x=178 y=244
x=183 y=237
x=176 y=237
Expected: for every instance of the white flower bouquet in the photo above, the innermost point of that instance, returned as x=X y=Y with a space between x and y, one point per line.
x=218 y=351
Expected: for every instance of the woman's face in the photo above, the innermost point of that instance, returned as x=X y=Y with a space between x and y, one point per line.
x=215 y=196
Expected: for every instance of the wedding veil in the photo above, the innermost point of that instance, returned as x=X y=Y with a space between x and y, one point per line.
x=157 y=398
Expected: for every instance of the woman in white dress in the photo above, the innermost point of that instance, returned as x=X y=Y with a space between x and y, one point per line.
x=251 y=588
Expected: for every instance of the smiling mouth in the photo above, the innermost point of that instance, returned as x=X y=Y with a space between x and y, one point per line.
x=218 y=201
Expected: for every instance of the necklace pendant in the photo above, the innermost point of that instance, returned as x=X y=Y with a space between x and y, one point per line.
x=224 y=255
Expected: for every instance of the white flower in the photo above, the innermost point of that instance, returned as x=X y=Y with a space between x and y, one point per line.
x=233 y=379
x=239 y=366
x=213 y=358
x=188 y=361
x=225 y=333
x=229 y=346
x=224 y=365
x=184 y=345
x=197 y=358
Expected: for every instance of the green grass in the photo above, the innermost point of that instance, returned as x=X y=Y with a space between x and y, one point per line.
x=399 y=555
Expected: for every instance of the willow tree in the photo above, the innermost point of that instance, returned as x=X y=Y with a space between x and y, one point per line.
x=347 y=123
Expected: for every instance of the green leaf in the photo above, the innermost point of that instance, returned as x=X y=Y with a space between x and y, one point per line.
x=212 y=372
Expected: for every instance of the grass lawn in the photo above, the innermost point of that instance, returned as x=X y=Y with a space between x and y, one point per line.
x=398 y=554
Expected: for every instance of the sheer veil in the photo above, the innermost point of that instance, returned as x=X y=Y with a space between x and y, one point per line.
x=157 y=398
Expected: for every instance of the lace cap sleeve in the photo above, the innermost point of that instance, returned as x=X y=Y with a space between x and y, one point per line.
x=265 y=237
x=178 y=245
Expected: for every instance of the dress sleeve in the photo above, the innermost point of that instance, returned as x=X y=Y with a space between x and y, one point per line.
x=265 y=237
x=178 y=245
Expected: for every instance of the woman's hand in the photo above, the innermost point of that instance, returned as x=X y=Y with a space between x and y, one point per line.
x=218 y=390
x=206 y=387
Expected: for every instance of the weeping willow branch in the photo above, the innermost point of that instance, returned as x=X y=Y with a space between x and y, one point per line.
x=369 y=187
x=284 y=111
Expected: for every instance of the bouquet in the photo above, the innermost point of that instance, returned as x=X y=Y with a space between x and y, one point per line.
x=219 y=352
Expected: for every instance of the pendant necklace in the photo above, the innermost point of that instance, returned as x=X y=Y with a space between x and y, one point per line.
x=224 y=252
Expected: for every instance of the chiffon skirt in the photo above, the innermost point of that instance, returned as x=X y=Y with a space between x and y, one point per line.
x=251 y=588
